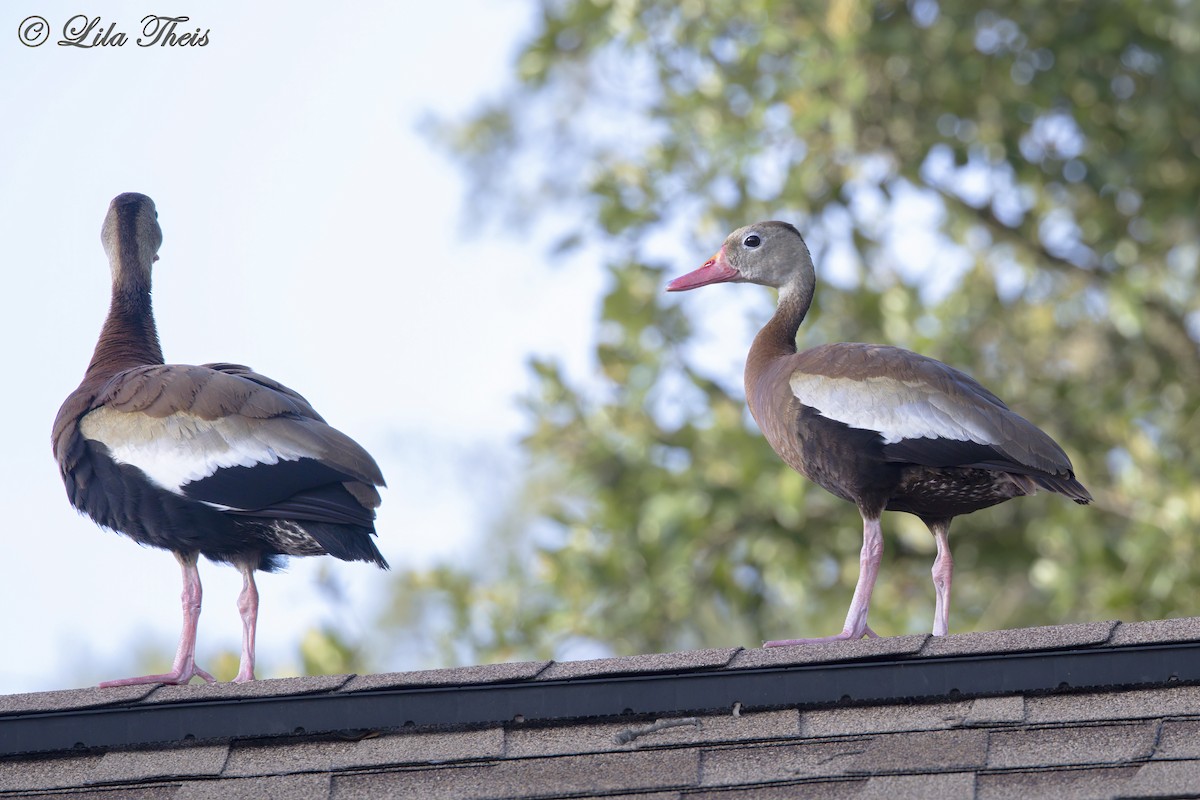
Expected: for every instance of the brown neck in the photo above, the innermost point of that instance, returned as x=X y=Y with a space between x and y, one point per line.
x=777 y=339
x=769 y=360
x=129 y=337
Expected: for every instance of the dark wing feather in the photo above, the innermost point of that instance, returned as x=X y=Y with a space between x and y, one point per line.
x=328 y=503
x=262 y=485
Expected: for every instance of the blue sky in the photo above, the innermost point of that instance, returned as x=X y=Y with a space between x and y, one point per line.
x=312 y=232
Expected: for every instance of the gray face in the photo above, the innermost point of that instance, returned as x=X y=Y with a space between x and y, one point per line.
x=131 y=234
x=768 y=253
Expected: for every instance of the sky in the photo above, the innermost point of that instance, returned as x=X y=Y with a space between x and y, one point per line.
x=311 y=231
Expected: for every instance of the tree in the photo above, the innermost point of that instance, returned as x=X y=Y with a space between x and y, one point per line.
x=1011 y=190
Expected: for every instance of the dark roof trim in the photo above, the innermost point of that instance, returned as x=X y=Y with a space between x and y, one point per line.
x=881 y=681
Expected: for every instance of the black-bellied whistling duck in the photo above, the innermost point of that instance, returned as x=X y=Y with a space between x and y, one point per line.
x=211 y=460
x=881 y=427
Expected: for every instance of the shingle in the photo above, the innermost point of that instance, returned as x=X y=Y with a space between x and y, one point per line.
x=250 y=759
x=609 y=772
x=595 y=737
x=957 y=785
x=459 y=783
x=1136 y=704
x=459 y=676
x=73 y=698
x=996 y=710
x=656 y=662
x=1076 y=784
x=422 y=748
x=56 y=772
x=1162 y=630
x=923 y=751
x=1179 y=738
x=270 y=687
x=529 y=777
x=830 y=652
x=162 y=791
x=1054 y=637
x=858 y=720
x=1165 y=779
x=165 y=762
x=933 y=751
x=736 y=766
x=1078 y=746
x=292 y=787
x=845 y=789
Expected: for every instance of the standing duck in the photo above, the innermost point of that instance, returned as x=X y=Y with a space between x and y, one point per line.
x=212 y=460
x=881 y=427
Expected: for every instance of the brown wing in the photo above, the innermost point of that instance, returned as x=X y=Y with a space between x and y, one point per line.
x=925 y=411
x=228 y=437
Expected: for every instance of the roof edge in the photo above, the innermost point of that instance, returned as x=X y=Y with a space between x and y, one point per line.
x=665 y=693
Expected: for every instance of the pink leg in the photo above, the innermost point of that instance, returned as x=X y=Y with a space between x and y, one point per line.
x=868 y=570
x=185 y=667
x=248 y=608
x=943 y=572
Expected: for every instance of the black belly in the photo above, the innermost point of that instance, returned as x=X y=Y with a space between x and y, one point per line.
x=850 y=463
x=847 y=462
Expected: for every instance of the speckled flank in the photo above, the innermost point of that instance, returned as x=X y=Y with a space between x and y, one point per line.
x=291 y=538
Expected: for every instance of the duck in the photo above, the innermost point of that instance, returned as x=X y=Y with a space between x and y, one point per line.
x=878 y=426
x=210 y=460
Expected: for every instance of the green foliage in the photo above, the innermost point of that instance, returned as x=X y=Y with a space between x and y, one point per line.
x=1012 y=190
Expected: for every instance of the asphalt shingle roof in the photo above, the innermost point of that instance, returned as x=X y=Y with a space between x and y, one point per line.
x=1137 y=737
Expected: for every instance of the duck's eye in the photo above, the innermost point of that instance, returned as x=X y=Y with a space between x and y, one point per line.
x=751 y=241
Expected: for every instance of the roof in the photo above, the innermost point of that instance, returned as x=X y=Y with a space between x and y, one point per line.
x=1100 y=709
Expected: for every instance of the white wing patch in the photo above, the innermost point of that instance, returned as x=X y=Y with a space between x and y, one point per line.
x=180 y=448
x=897 y=409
